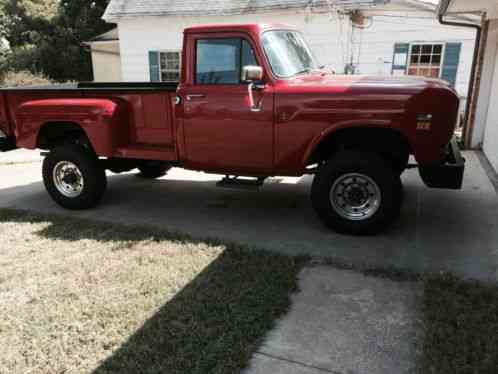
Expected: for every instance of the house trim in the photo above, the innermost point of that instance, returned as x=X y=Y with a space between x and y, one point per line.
x=473 y=89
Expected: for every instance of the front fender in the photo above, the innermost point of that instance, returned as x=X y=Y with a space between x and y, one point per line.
x=98 y=118
x=320 y=137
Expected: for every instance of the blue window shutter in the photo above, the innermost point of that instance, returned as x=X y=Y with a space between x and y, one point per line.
x=400 y=49
x=154 y=66
x=451 y=61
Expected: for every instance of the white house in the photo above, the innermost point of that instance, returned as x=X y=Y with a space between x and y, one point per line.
x=384 y=37
x=484 y=128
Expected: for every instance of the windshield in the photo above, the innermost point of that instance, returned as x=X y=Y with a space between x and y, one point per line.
x=288 y=53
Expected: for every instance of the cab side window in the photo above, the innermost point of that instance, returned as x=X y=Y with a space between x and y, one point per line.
x=248 y=56
x=220 y=61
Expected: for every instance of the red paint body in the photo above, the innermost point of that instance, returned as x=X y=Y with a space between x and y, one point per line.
x=219 y=133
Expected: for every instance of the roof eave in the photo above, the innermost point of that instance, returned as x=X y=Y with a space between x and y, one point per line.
x=446 y=8
x=114 y=17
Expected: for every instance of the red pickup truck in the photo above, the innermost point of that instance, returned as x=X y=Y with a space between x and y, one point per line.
x=252 y=103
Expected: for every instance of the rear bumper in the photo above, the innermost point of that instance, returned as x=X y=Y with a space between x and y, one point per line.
x=7 y=144
x=448 y=175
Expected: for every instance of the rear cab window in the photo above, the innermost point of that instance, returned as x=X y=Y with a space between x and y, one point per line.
x=220 y=61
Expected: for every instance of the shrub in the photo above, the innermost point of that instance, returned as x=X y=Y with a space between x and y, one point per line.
x=23 y=78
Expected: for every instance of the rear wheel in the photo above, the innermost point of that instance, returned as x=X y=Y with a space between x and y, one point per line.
x=357 y=193
x=73 y=177
x=153 y=169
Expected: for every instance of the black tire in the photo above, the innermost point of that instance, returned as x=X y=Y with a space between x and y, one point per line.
x=92 y=174
x=373 y=168
x=401 y=164
x=153 y=169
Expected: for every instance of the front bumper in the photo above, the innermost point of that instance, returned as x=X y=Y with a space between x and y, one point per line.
x=448 y=175
x=7 y=144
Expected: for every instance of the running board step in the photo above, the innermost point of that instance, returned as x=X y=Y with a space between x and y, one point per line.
x=241 y=183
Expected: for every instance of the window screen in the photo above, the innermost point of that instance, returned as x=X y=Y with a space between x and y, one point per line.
x=425 y=60
x=169 y=65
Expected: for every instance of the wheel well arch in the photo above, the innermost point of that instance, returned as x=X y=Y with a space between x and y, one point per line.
x=54 y=134
x=387 y=142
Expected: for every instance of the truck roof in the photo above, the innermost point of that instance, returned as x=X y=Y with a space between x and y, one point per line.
x=249 y=27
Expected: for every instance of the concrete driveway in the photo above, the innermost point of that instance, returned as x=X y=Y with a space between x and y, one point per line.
x=438 y=229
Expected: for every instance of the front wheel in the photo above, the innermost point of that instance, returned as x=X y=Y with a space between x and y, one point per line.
x=74 y=178
x=357 y=193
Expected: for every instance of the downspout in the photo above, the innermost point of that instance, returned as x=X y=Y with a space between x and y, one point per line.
x=442 y=10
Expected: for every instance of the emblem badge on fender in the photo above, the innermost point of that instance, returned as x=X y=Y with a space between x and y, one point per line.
x=424 y=122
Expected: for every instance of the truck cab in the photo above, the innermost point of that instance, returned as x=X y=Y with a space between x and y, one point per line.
x=253 y=101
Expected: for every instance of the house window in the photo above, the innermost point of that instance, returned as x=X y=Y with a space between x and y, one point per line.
x=169 y=66
x=426 y=60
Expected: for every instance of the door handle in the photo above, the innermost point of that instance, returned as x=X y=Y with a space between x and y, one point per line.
x=195 y=96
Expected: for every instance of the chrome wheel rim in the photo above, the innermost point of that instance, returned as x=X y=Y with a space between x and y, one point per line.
x=355 y=196
x=68 y=179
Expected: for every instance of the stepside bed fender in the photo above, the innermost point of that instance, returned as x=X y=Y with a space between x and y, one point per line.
x=100 y=119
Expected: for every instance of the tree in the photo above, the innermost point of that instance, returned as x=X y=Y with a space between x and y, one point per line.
x=46 y=37
x=4 y=53
x=22 y=20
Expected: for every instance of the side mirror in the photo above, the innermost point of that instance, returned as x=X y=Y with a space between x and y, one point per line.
x=252 y=74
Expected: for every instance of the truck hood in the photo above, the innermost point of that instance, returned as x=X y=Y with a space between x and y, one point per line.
x=338 y=83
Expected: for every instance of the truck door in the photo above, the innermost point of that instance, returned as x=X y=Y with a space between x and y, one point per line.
x=223 y=132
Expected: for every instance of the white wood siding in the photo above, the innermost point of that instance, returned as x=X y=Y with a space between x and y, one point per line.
x=486 y=86
x=106 y=62
x=140 y=35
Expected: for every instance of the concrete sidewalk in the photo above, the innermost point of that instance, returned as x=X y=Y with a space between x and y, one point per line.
x=344 y=323
x=438 y=229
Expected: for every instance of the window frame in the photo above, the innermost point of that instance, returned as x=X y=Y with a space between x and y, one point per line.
x=429 y=66
x=161 y=70
x=242 y=39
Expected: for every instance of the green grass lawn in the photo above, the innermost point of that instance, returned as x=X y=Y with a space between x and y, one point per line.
x=460 y=327
x=85 y=297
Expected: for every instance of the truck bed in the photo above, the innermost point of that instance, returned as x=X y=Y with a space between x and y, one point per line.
x=98 y=86
x=148 y=123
